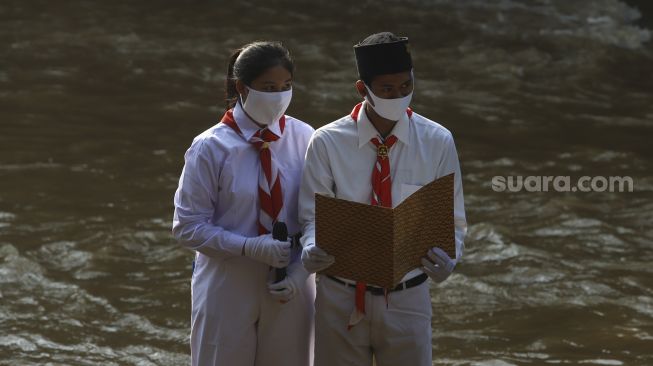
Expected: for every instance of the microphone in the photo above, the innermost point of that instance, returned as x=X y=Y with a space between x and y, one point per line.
x=280 y=232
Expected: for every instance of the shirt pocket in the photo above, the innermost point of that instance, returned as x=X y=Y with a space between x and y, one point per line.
x=409 y=189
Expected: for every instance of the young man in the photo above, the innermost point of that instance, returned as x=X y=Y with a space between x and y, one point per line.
x=378 y=154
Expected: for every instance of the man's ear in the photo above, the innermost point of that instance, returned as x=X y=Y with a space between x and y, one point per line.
x=360 y=88
x=240 y=88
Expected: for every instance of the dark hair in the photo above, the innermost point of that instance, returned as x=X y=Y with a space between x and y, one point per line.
x=250 y=61
x=377 y=38
x=383 y=37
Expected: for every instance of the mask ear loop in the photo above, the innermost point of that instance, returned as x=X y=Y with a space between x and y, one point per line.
x=241 y=100
x=370 y=96
x=412 y=78
x=240 y=97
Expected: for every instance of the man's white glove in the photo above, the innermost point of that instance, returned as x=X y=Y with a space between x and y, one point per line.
x=286 y=289
x=316 y=259
x=267 y=250
x=439 y=265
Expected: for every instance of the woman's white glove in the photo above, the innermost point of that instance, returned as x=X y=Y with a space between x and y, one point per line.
x=267 y=250
x=316 y=259
x=439 y=265
x=286 y=289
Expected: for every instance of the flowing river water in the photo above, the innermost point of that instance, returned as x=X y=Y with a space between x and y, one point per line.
x=99 y=100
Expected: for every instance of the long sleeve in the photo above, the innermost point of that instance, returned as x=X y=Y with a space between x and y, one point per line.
x=316 y=178
x=449 y=164
x=194 y=206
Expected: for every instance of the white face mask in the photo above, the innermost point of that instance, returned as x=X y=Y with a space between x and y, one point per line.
x=266 y=108
x=391 y=109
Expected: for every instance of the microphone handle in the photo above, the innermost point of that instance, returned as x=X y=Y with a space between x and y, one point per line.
x=280 y=232
x=280 y=274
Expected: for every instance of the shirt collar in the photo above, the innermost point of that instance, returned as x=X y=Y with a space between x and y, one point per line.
x=249 y=127
x=366 y=130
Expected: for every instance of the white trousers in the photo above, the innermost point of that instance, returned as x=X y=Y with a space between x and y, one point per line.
x=235 y=321
x=396 y=335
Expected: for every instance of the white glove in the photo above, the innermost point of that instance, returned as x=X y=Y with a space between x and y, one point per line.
x=267 y=250
x=440 y=265
x=286 y=289
x=316 y=259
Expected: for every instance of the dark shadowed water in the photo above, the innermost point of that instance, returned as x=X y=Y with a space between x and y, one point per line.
x=99 y=100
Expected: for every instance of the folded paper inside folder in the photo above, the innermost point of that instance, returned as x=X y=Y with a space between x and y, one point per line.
x=379 y=245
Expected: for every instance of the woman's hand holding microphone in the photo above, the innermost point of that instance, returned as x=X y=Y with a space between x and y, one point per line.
x=264 y=248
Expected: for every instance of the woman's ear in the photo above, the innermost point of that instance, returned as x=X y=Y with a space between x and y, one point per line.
x=240 y=88
x=360 y=88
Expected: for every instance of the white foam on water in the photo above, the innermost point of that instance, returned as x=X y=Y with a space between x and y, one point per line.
x=492 y=363
x=12 y=341
x=604 y=21
x=60 y=72
x=532 y=355
x=30 y=166
x=602 y=361
x=20 y=275
x=7 y=216
x=582 y=223
x=610 y=155
x=640 y=304
x=63 y=256
x=489 y=234
x=501 y=162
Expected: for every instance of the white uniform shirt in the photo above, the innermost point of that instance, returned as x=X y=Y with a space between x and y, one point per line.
x=217 y=203
x=340 y=159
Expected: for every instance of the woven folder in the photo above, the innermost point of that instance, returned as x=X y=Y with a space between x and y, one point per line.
x=379 y=245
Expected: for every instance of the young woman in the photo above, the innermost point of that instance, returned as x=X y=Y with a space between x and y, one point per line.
x=241 y=177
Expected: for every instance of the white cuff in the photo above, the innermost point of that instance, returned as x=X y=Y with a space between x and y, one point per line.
x=307 y=240
x=233 y=243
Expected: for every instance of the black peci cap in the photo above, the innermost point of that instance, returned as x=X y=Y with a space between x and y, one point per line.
x=383 y=58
